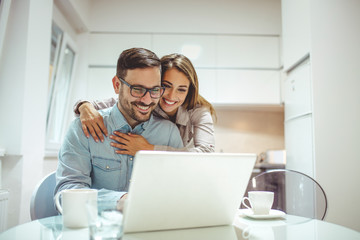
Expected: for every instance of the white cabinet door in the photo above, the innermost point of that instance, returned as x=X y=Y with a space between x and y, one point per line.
x=231 y=69
x=296 y=31
x=248 y=52
x=299 y=145
x=104 y=49
x=248 y=87
x=200 y=49
x=297 y=92
x=207 y=84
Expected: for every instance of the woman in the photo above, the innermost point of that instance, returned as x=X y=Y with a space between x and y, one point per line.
x=181 y=103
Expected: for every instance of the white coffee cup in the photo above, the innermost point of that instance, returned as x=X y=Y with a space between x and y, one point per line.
x=73 y=206
x=260 y=202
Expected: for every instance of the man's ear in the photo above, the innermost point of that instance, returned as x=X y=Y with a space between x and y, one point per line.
x=116 y=84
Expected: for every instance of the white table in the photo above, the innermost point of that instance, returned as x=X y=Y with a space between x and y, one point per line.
x=291 y=227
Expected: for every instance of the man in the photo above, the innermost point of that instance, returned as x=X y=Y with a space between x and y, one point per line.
x=83 y=163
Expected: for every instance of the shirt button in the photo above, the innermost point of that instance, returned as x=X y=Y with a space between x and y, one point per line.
x=131 y=158
x=107 y=167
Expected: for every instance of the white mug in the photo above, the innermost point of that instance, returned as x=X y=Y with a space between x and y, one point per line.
x=260 y=202
x=73 y=206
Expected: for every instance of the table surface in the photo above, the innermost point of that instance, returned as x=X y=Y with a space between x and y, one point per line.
x=289 y=227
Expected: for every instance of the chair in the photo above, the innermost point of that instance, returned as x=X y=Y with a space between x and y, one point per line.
x=294 y=192
x=42 y=203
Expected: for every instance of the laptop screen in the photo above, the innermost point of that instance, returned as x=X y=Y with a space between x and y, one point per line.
x=176 y=190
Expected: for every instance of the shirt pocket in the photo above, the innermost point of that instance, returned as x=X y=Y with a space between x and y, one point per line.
x=106 y=173
x=106 y=164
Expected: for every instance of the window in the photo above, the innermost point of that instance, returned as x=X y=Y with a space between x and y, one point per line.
x=62 y=60
x=4 y=15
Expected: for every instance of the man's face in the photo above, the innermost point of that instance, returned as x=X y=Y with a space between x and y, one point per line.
x=137 y=110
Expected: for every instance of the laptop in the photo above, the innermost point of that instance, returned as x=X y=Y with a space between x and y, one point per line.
x=179 y=190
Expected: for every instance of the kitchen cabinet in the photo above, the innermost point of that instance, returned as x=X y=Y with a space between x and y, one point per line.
x=297 y=86
x=297 y=91
x=232 y=69
x=254 y=52
x=105 y=48
x=299 y=144
x=296 y=31
x=207 y=81
x=248 y=87
x=234 y=86
x=199 y=48
x=298 y=120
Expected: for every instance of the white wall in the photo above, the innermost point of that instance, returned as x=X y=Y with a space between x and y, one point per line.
x=24 y=72
x=335 y=37
x=187 y=16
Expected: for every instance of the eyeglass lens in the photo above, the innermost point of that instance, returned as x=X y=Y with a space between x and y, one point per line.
x=155 y=92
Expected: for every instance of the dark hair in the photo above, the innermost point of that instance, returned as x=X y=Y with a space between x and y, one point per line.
x=136 y=58
x=184 y=65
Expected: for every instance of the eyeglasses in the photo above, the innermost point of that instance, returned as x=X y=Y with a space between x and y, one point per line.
x=139 y=92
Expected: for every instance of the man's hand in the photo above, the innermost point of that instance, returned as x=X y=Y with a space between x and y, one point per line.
x=121 y=202
x=92 y=122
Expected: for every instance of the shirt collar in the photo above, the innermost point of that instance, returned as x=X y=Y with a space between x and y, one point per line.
x=119 y=122
x=182 y=116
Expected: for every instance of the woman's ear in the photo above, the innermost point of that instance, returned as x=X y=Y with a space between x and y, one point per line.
x=116 y=84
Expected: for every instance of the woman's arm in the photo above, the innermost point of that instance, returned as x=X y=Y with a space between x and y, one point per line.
x=98 y=105
x=91 y=120
x=129 y=143
x=203 y=138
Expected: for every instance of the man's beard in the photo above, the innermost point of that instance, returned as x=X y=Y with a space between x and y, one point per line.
x=130 y=108
x=143 y=116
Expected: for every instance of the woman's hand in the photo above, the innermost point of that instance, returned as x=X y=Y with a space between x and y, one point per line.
x=92 y=122
x=129 y=143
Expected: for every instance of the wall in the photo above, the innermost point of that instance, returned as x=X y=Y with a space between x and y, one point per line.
x=24 y=72
x=201 y=16
x=249 y=131
x=335 y=37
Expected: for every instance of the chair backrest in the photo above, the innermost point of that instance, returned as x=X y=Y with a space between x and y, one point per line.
x=294 y=192
x=42 y=203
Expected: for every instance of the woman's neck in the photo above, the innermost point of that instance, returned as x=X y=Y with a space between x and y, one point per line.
x=172 y=115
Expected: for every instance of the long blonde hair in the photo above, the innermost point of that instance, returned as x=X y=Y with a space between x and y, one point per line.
x=184 y=65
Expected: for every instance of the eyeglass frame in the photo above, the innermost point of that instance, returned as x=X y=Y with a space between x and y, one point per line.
x=146 y=89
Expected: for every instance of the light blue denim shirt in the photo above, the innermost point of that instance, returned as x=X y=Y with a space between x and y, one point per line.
x=84 y=163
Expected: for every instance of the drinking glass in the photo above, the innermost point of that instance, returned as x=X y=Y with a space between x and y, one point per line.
x=105 y=220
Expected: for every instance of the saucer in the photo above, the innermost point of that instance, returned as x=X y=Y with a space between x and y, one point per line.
x=272 y=214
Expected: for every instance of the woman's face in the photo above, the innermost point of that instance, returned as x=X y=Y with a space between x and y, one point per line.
x=176 y=89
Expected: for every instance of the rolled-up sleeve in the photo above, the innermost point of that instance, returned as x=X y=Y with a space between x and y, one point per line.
x=98 y=104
